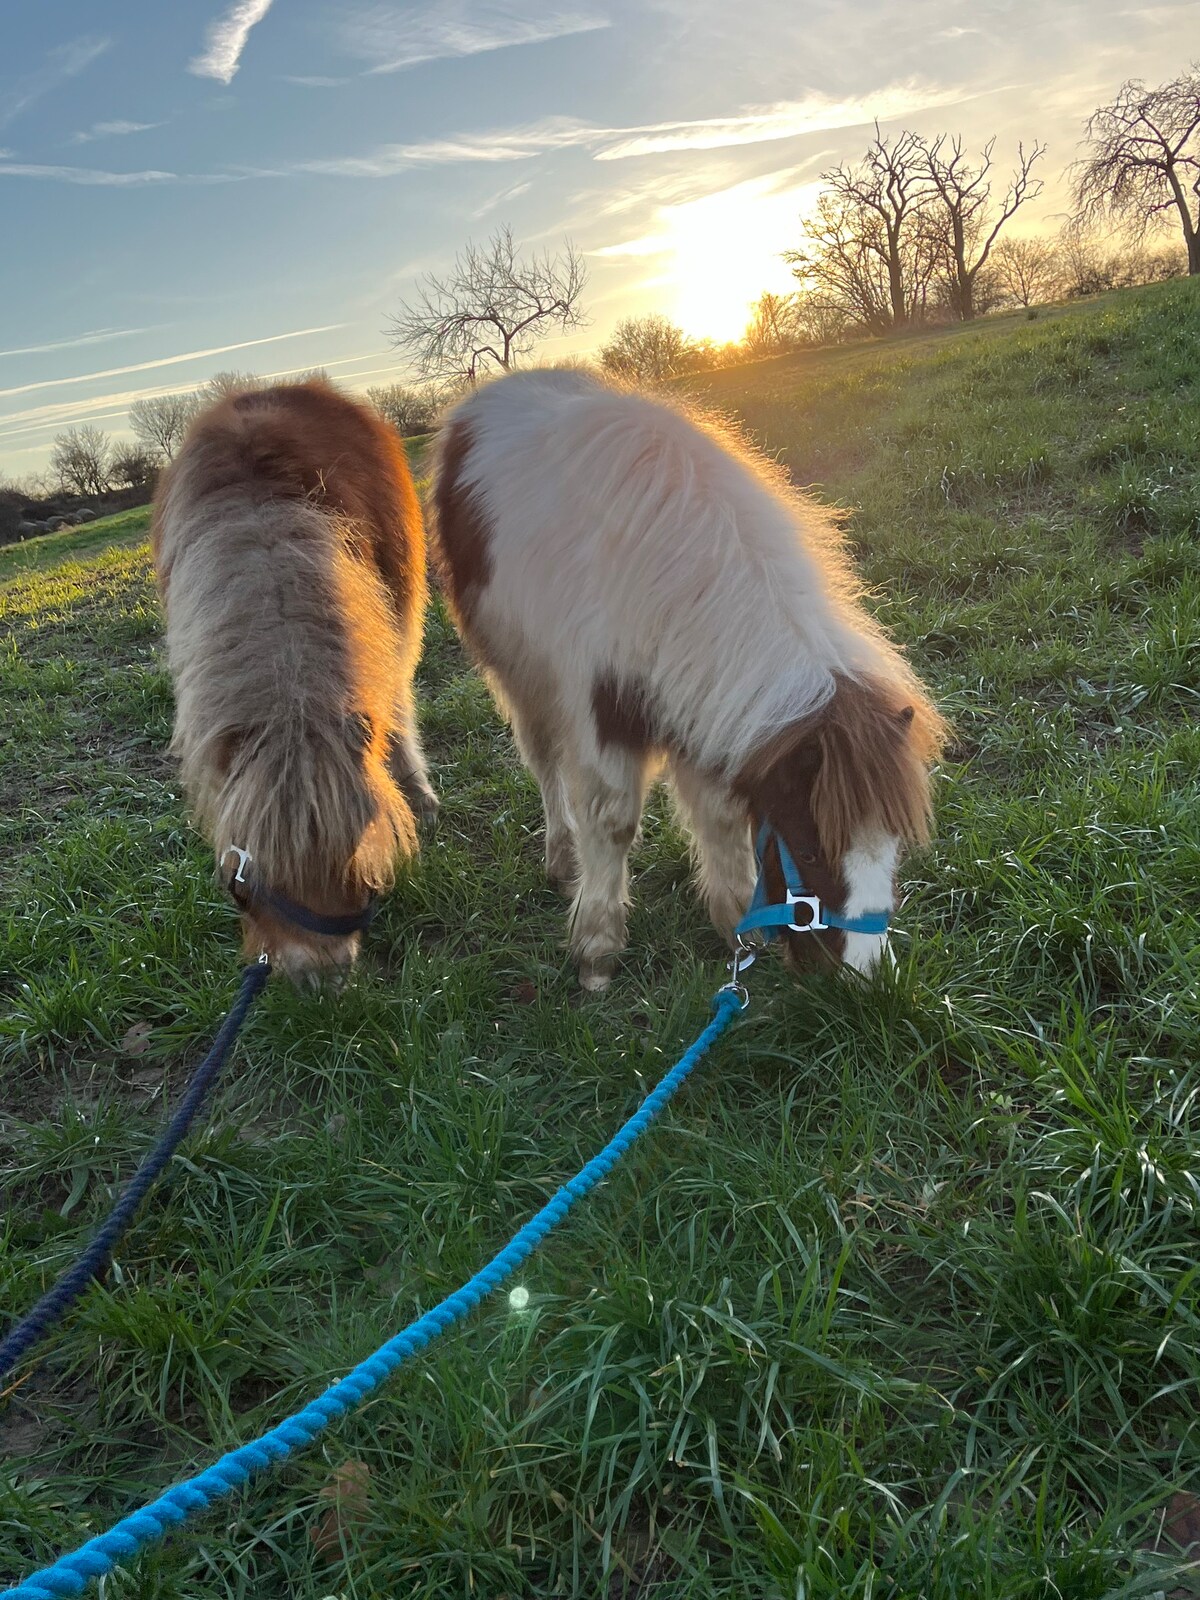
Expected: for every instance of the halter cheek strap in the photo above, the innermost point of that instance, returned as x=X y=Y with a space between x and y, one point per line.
x=255 y=893
x=769 y=919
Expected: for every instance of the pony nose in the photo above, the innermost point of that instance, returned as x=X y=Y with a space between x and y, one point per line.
x=324 y=970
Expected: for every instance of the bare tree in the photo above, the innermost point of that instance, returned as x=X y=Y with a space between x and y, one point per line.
x=81 y=459
x=161 y=421
x=772 y=327
x=490 y=309
x=964 y=200
x=873 y=254
x=818 y=321
x=1027 y=269
x=1144 y=160
x=645 y=349
x=839 y=271
x=887 y=191
x=134 y=466
x=409 y=410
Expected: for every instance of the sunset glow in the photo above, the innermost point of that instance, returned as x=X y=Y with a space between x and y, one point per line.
x=715 y=255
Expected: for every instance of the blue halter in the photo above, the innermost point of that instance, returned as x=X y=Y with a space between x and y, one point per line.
x=770 y=919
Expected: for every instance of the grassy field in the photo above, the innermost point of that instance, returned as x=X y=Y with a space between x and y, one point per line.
x=902 y=1302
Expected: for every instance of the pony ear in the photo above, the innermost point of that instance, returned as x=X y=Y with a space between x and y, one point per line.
x=358 y=731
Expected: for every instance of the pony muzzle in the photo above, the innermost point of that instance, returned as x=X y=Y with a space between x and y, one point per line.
x=314 y=942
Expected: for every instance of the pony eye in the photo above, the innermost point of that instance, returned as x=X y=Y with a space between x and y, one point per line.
x=808 y=857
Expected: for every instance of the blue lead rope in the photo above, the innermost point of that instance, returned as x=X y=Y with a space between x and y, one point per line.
x=769 y=919
x=179 y=1505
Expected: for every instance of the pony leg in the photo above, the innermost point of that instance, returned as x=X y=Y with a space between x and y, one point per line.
x=720 y=829
x=536 y=742
x=606 y=796
x=406 y=761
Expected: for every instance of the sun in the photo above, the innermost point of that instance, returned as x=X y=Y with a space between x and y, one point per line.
x=726 y=249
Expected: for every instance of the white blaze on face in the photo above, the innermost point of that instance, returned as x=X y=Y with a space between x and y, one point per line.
x=869 y=869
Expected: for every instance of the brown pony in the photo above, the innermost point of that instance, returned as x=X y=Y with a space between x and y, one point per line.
x=290 y=555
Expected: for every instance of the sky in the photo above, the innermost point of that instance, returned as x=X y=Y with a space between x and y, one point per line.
x=258 y=184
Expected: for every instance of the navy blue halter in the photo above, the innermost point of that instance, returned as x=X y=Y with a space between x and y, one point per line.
x=768 y=919
x=256 y=893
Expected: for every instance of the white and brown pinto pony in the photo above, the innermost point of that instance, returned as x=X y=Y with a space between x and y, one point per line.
x=642 y=589
x=290 y=553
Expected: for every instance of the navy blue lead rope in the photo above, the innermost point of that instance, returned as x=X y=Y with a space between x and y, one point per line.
x=38 y=1321
x=72 y=1573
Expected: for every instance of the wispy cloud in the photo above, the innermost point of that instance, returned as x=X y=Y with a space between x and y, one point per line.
x=64 y=62
x=227 y=39
x=111 y=130
x=48 y=417
x=786 y=120
x=313 y=81
x=510 y=144
x=166 y=361
x=97 y=176
x=755 y=125
x=98 y=336
x=513 y=192
x=392 y=37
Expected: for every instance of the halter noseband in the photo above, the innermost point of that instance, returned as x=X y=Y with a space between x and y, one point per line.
x=255 y=893
x=769 y=918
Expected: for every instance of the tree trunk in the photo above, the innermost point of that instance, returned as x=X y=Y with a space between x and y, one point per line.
x=896 y=286
x=1191 y=232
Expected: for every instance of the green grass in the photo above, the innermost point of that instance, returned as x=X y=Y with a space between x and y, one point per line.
x=901 y=1301
x=46 y=550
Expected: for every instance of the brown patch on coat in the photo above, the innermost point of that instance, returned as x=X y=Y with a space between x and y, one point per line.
x=623 y=712
x=461 y=533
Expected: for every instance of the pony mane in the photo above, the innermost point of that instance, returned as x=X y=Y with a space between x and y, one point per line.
x=874 y=742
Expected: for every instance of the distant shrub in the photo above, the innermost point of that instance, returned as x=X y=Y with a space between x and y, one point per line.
x=409 y=410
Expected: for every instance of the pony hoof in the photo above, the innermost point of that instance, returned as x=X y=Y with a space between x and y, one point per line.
x=597 y=976
x=427 y=808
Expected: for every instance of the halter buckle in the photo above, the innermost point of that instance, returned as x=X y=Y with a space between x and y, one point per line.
x=815 y=923
x=244 y=860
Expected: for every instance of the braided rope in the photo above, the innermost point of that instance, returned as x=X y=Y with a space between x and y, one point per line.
x=92 y=1263
x=98 y=1556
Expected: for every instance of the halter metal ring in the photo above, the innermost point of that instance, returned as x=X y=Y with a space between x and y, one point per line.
x=814 y=924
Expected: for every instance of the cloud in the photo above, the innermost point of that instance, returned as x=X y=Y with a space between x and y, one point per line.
x=166 y=361
x=756 y=125
x=97 y=176
x=99 y=336
x=67 y=61
x=788 y=119
x=394 y=37
x=314 y=81
x=512 y=144
x=513 y=192
x=111 y=130
x=51 y=417
x=227 y=39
